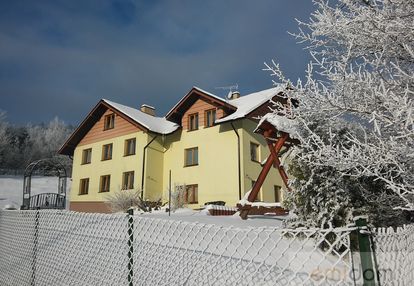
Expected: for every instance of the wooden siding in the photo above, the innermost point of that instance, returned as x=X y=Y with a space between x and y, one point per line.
x=97 y=132
x=200 y=106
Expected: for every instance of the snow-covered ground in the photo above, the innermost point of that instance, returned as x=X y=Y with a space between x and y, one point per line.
x=202 y=216
x=11 y=188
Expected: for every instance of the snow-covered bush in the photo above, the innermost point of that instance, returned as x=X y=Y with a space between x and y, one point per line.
x=178 y=196
x=356 y=112
x=122 y=200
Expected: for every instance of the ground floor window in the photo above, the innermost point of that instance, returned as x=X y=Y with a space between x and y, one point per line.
x=104 y=183
x=84 y=186
x=191 y=194
x=128 y=180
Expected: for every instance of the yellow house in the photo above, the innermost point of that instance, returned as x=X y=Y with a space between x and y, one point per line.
x=207 y=143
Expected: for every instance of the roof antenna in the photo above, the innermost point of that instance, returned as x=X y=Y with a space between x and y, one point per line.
x=230 y=88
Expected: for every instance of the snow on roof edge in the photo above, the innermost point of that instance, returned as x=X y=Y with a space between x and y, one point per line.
x=258 y=98
x=156 y=124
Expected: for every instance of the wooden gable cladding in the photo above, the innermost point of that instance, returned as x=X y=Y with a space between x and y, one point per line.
x=200 y=106
x=97 y=132
x=176 y=114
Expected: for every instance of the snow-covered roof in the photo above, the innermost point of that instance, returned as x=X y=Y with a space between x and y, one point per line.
x=281 y=123
x=248 y=103
x=156 y=124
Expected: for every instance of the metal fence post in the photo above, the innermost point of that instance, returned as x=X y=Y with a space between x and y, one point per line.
x=365 y=251
x=35 y=242
x=130 y=246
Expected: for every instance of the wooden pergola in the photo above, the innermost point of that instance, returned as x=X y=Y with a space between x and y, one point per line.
x=276 y=140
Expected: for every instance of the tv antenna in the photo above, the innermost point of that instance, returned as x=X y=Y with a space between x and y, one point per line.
x=230 y=88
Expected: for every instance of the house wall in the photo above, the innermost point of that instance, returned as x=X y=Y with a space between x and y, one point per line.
x=114 y=167
x=154 y=165
x=216 y=173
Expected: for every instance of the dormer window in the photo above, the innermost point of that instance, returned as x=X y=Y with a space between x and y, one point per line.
x=209 y=117
x=109 y=121
x=193 y=121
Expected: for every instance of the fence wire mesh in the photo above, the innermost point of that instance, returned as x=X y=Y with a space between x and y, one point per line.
x=394 y=252
x=68 y=248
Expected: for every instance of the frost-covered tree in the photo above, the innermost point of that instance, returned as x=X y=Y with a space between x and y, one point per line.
x=45 y=141
x=361 y=83
x=4 y=137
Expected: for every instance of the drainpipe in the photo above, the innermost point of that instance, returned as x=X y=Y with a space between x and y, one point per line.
x=143 y=166
x=238 y=159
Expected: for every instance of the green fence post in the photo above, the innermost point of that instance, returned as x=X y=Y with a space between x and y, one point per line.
x=35 y=243
x=365 y=251
x=130 y=246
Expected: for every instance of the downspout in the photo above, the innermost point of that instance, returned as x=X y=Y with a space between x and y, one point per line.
x=143 y=166
x=238 y=159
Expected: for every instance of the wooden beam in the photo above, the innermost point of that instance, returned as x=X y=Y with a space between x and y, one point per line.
x=273 y=157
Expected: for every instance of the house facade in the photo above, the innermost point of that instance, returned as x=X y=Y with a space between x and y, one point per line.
x=206 y=142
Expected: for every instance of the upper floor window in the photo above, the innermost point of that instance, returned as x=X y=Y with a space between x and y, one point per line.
x=104 y=183
x=84 y=186
x=191 y=194
x=209 y=117
x=109 y=121
x=129 y=148
x=107 y=152
x=193 y=121
x=86 y=156
x=191 y=157
x=128 y=180
x=254 y=152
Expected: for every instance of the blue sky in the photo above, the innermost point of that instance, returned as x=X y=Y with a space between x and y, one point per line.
x=58 y=58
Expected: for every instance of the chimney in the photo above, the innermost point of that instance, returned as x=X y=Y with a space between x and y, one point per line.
x=148 y=109
x=234 y=95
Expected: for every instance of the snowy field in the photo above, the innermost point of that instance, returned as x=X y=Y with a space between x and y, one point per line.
x=11 y=188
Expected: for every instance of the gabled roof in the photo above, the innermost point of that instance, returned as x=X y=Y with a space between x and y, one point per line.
x=136 y=117
x=190 y=98
x=248 y=103
x=237 y=108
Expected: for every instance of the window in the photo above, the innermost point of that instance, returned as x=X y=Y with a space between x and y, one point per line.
x=209 y=117
x=86 y=156
x=107 y=152
x=109 y=121
x=193 y=121
x=191 y=194
x=84 y=186
x=104 y=183
x=129 y=148
x=191 y=157
x=278 y=193
x=254 y=152
x=259 y=195
x=128 y=180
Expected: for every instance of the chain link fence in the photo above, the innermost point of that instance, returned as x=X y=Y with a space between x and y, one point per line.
x=394 y=252
x=68 y=248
